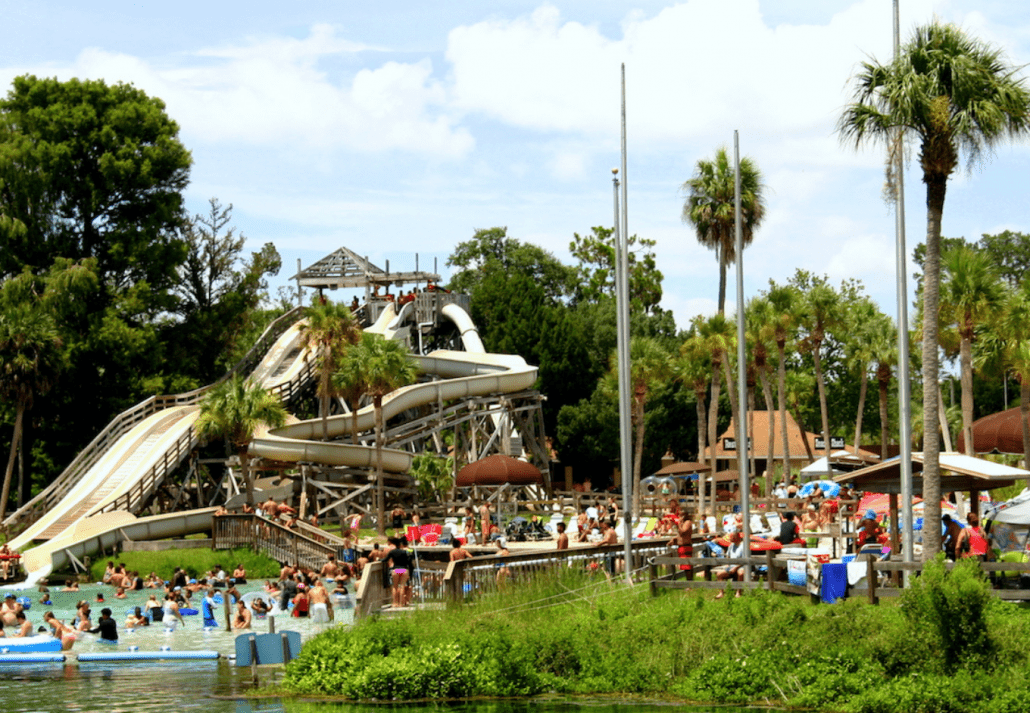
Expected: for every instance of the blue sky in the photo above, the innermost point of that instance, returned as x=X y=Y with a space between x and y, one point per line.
x=393 y=129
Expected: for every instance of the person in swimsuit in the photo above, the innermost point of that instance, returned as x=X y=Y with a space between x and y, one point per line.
x=563 y=539
x=731 y=571
x=106 y=627
x=301 y=602
x=171 y=611
x=60 y=631
x=24 y=625
x=242 y=618
x=9 y=609
x=321 y=612
x=503 y=571
x=684 y=540
x=208 y=608
x=399 y=562
x=239 y=574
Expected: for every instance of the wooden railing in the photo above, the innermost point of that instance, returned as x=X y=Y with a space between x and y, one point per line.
x=373 y=594
x=128 y=419
x=776 y=566
x=274 y=539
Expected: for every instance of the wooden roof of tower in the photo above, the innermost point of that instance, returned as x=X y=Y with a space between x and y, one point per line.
x=344 y=268
x=759 y=433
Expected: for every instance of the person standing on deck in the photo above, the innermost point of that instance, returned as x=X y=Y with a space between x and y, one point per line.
x=484 y=516
x=563 y=539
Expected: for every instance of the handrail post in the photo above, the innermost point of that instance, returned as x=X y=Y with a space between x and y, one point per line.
x=871 y=576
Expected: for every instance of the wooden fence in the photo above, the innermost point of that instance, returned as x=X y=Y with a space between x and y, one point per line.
x=666 y=573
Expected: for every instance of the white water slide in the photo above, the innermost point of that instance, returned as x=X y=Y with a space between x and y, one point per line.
x=77 y=525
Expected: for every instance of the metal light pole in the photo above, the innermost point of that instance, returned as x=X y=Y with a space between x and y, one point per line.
x=622 y=326
x=741 y=434
x=904 y=395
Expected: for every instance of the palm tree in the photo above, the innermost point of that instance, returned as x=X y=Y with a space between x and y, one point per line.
x=971 y=292
x=760 y=330
x=650 y=365
x=820 y=307
x=1015 y=329
x=327 y=329
x=720 y=336
x=710 y=208
x=883 y=345
x=859 y=317
x=783 y=301
x=379 y=365
x=31 y=356
x=955 y=94
x=234 y=409
x=693 y=369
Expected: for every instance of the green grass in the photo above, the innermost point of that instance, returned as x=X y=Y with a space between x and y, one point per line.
x=194 y=561
x=947 y=646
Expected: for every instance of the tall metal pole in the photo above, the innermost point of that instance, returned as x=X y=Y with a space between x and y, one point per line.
x=741 y=434
x=904 y=395
x=622 y=320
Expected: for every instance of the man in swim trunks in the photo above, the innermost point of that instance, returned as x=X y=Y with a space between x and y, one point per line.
x=458 y=552
x=24 y=625
x=321 y=612
x=484 y=516
x=270 y=508
x=563 y=539
x=330 y=569
x=684 y=541
x=207 y=608
x=9 y=610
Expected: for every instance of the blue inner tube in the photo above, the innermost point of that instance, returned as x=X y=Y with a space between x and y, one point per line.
x=187 y=611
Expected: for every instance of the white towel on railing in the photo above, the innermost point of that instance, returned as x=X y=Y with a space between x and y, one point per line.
x=856 y=571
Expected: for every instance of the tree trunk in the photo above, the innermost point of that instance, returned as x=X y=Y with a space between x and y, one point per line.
x=942 y=417
x=248 y=484
x=19 y=420
x=1024 y=413
x=862 y=387
x=380 y=485
x=323 y=397
x=770 y=411
x=713 y=412
x=781 y=377
x=731 y=392
x=701 y=427
x=638 y=448
x=354 y=422
x=936 y=186
x=820 y=383
x=966 y=359
x=750 y=432
x=722 y=279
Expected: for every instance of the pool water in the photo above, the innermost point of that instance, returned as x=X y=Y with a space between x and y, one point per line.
x=191 y=637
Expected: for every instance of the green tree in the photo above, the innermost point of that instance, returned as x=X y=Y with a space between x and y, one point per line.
x=650 y=365
x=234 y=409
x=30 y=357
x=327 y=330
x=491 y=251
x=954 y=94
x=971 y=292
x=819 y=309
x=783 y=303
x=693 y=369
x=381 y=365
x=719 y=334
x=1010 y=252
x=760 y=329
x=92 y=171
x=596 y=256
x=710 y=208
x=218 y=291
x=1014 y=328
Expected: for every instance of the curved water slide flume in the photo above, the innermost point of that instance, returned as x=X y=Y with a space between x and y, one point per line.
x=463 y=375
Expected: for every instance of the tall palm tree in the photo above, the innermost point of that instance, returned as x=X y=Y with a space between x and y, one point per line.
x=327 y=329
x=693 y=369
x=971 y=293
x=783 y=301
x=760 y=330
x=31 y=357
x=709 y=208
x=234 y=409
x=820 y=310
x=720 y=336
x=1014 y=326
x=381 y=365
x=954 y=94
x=858 y=318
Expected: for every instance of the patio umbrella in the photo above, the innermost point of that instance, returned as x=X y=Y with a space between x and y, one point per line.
x=497 y=470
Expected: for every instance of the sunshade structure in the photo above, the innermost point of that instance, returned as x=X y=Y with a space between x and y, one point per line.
x=958 y=473
x=499 y=470
x=684 y=468
x=1016 y=511
x=840 y=462
x=1000 y=432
